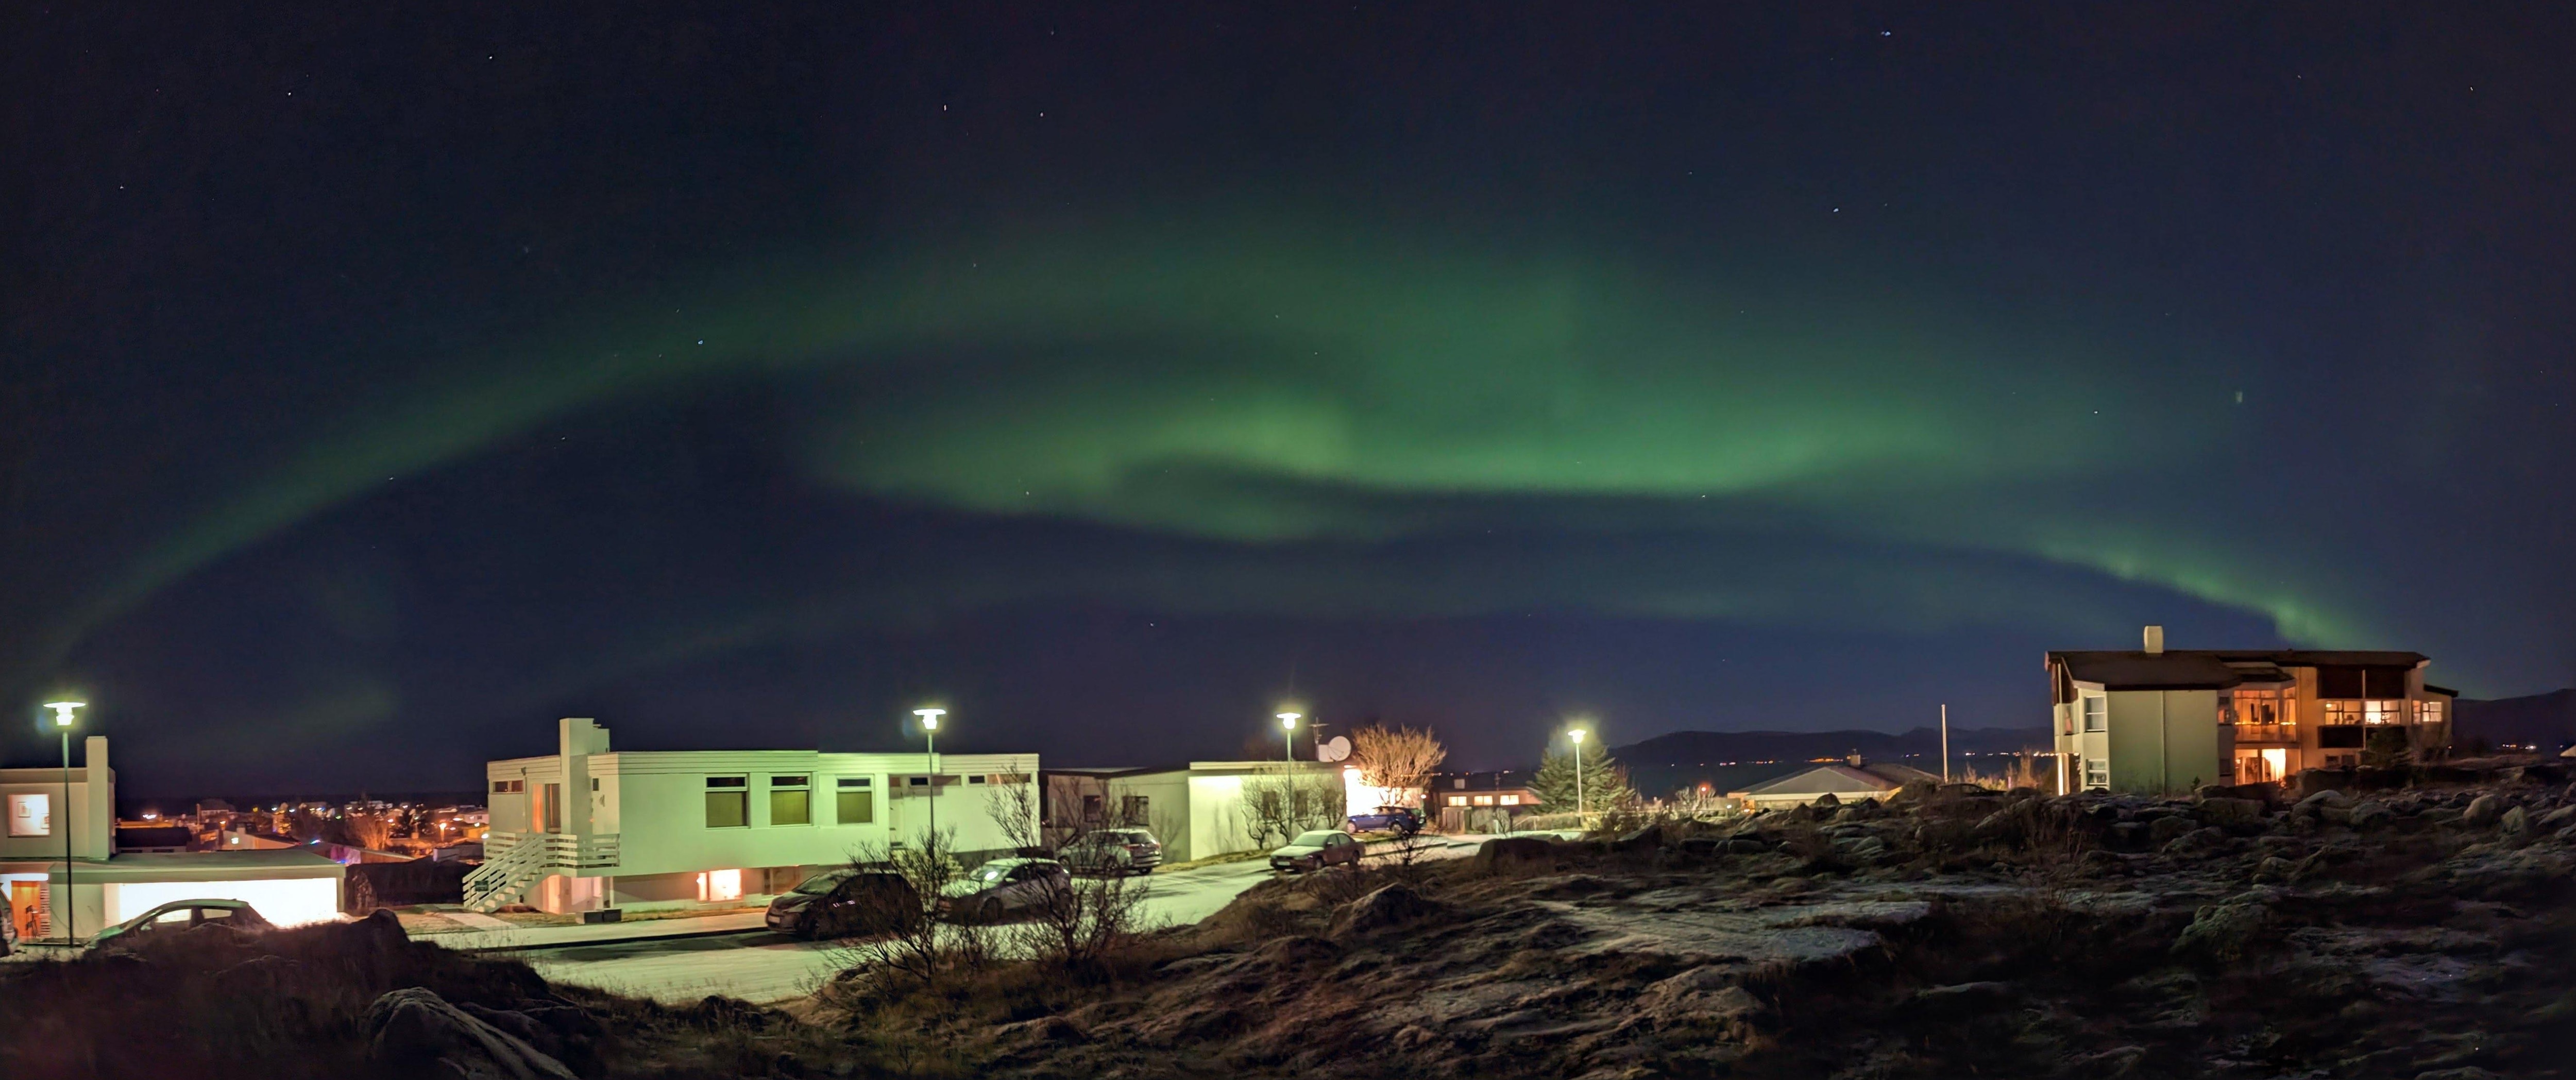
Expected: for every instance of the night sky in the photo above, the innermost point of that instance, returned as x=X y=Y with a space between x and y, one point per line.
x=381 y=386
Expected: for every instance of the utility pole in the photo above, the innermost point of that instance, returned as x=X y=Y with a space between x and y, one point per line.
x=1945 y=742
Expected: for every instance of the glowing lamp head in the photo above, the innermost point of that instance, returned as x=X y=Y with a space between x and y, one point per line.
x=63 y=711
x=1577 y=735
x=930 y=718
x=1288 y=721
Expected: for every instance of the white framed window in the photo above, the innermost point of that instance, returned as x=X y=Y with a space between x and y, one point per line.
x=31 y=814
x=2428 y=712
x=791 y=800
x=2097 y=773
x=728 y=802
x=2097 y=712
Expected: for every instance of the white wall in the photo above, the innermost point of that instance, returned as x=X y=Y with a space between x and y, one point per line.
x=283 y=901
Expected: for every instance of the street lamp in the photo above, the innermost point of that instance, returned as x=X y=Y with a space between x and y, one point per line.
x=930 y=760
x=1577 y=735
x=1288 y=737
x=63 y=711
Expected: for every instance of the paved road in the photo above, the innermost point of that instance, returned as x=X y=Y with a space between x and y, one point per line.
x=764 y=967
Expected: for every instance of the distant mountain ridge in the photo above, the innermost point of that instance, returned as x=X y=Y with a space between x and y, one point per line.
x=1735 y=760
x=2544 y=720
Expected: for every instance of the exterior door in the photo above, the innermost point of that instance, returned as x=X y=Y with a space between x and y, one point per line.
x=550 y=808
x=26 y=909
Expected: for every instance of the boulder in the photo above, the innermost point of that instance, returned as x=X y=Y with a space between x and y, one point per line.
x=2224 y=931
x=413 y=1026
x=2276 y=868
x=2369 y=814
x=1645 y=839
x=1390 y=905
x=2322 y=799
x=2483 y=810
x=2231 y=811
x=2514 y=822
x=2558 y=817
x=1827 y=801
x=1507 y=851
x=2165 y=830
x=1962 y=999
x=1706 y=998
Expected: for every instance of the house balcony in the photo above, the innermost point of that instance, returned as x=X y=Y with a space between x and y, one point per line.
x=2284 y=734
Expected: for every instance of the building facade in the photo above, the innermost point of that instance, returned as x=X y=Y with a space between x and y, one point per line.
x=108 y=887
x=1198 y=810
x=2157 y=721
x=588 y=827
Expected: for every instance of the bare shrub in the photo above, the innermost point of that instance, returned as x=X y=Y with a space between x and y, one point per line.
x=919 y=947
x=1286 y=801
x=1011 y=800
x=1084 y=924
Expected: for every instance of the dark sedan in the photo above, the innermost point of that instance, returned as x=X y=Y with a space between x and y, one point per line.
x=846 y=903
x=1316 y=850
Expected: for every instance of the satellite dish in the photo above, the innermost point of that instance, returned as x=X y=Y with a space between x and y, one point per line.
x=1334 y=749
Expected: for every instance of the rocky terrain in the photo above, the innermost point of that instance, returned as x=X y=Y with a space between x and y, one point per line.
x=2421 y=933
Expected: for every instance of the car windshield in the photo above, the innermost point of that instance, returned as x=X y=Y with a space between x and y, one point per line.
x=988 y=873
x=821 y=883
x=1318 y=838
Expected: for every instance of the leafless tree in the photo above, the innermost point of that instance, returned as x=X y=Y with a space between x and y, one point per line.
x=1289 y=801
x=1397 y=759
x=1012 y=800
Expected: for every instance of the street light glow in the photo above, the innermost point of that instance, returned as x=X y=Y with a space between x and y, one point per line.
x=930 y=718
x=1577 y=735
x=1288 y=720
x=63 y=711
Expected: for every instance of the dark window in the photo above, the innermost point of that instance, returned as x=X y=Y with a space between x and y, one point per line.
x=2339 y=682
x=728 y=804
x=2384 y=682
x=789 y=801
x=1091 y=808
x=2339 y=736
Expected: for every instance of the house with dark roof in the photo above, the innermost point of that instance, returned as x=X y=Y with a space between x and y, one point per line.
x=2158 y=720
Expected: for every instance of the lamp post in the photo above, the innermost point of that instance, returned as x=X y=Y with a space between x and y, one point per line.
x=930 y=761
x=1577 y=735
x=1288 y=737
x=63 y=711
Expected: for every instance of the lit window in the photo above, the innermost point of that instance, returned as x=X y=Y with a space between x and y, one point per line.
x=1484 y=800
x=2430 y=711
x=31 y=814
x=1515 y=800
x=790 y=803
x=2097 y=712
x=2343 y=712
x=1457 y=800
x=715 y=885
x=2383 y=712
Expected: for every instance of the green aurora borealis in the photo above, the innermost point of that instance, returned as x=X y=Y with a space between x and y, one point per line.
x=1273 y=385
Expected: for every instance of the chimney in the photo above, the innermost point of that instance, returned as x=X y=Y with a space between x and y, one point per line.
x=2155 y=640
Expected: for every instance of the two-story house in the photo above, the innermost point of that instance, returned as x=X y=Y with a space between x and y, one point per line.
x=588 y=827
x=2158 y=720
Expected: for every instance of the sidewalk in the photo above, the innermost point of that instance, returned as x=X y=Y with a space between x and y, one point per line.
x=551 y=937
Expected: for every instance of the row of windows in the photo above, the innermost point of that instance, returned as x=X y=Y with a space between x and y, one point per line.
x=791 y=801
x=2271 y=707
x=1484 y=800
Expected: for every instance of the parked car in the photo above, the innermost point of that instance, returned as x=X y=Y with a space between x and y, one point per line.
x=1114 y=851
x=1002 y=886
x=1400 y=820
x=1316 y=850
x=845 y=903
x=178 y=915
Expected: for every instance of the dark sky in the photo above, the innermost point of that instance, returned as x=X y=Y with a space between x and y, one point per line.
x=382 y=385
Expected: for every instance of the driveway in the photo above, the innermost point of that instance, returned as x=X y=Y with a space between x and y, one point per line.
x=759 y=966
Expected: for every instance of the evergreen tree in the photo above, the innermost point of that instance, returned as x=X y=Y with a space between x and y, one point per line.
x=1605 y=784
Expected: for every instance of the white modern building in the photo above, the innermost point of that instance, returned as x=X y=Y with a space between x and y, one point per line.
x=1196 y=810
x=588 y=827
x=44 y=805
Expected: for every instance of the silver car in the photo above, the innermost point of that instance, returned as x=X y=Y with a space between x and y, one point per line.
x=998 y=888
x=1316 y=850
